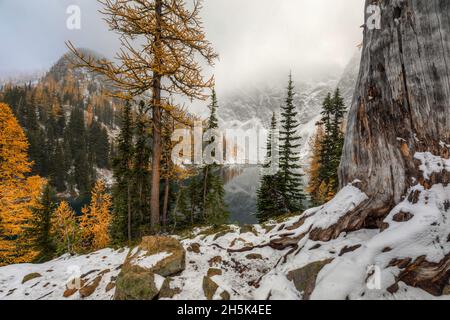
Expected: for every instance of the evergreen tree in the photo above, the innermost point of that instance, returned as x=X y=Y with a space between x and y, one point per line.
x=332 y=143
x=75 y=135
x=141 y=175
x=40 y=228
x=214 y=208
x=121 y=229
x=269 y=198
x=291 y=179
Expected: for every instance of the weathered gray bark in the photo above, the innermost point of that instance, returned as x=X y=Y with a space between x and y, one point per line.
x=401 y=104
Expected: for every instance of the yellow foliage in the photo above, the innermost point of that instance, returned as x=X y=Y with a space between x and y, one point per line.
x=19 y=194
x=315 y=184
x=96 y=219
x=65 y=228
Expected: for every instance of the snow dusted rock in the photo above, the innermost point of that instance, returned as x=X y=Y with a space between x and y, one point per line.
x=143 y=272
x=161 y=255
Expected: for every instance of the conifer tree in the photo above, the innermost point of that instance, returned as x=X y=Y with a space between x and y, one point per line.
x=332 y=143
x=121 y=227
x=214 y=208
x=164 y=62
x=41 y=225
x=291 y=179
x=269 y=198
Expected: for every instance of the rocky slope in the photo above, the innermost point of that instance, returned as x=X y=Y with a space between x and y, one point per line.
x=288 y=259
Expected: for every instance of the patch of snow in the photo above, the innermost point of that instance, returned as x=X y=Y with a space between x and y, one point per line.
x=147 y=262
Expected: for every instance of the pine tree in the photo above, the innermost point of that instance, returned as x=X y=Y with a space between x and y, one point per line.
x=291 y=179
x=121 y=227
x=214 y=208
x=269 y=198
x=96 y=219
x=19 y=193
x=332 y=143
x=65 y=230
x=141 y=172
x=41 y=225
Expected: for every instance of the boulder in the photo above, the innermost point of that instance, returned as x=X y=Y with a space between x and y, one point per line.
x=155 y=257
x=172 y=253
x=136 y=284
x=209 y=288
x=214 y=272
x=167 y=291
x=305 y=278
x=254 y=256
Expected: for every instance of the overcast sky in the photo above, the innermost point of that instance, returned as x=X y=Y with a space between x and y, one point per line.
x=256 y=39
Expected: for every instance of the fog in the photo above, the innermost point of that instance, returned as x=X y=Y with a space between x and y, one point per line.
x=258 y=41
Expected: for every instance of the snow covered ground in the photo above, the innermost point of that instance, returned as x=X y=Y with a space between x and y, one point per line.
x=278 y=260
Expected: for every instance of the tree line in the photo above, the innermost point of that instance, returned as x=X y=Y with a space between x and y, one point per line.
x=282 y=191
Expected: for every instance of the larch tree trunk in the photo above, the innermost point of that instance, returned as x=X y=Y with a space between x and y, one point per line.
x=401 y=106
x=156 y=120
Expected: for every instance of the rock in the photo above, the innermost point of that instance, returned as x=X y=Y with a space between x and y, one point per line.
x=88 y=290
x=225 y=295
x=168 y=266
x=402 y=216
x=254 y=256
x=446 y=290
x=220 y=234
x=167 y=291
x=214 y=272
x=305 y=278
x=31 y=276
x=248 y=229
x=215 y=261
x=136 y=284
x=69 y=292
x=110 y=286
x=209 y=288
x=316 y=246
x=347 y=249
x=393 y=289
x=194 y=247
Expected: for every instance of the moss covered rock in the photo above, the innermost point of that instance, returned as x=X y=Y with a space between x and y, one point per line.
x=305 y=278
x=136 y=284
x=31 y=276
x=172 y=253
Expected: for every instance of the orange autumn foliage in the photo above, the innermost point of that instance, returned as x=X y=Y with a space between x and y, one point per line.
x=96 y=219
x=19 y=193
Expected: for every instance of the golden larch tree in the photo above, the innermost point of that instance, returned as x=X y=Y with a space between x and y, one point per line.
x=19 y=193
x=96 y=219
x=313 y=171
x=65 y=229
x=162 y=42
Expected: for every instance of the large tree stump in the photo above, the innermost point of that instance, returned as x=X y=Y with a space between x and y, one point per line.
x=401 y=103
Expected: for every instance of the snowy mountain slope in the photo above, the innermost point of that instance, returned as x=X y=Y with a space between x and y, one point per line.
x=406 y=259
